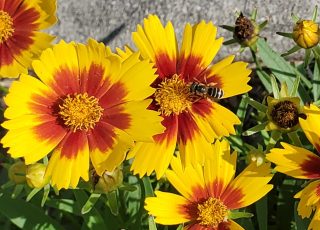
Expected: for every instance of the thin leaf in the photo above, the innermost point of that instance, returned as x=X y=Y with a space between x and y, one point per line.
x=316 y=80
x=287 y=35
x=291 y=51
x=46 y=191
x=152 y=224
x=255 y=129
x=263 y=24
x=32 y=193
x=237 y=215
x=262 y=213
x=26 y=215
x=275 y=88
x=265 y=80
x=8 y=185
x=295 y=139
x=17 y=190
x=94 y=197
x=254 y=14
x=257 y=105
x=229 y=42
x=147 y=186
x=65 y=205
x=113 y=202
x=241 y=112
x=295 y=87
x=229 y=28
x=307 y=57
x=295 y=18
x=315 y=13
x=282 y=70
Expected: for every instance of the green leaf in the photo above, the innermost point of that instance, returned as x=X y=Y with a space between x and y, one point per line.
x=255 y=129
x=254 y=14
x=241 y=112
x=65 y=205
x=46 y=191
x=291 y=51
x=26 y=215
x=316 y=80
x=295 y=18
x=152 y=224
x=94 y=197
x=257 y=105
x=315 y=13
x=262 y=213
x=17 y=190
x=307 y=57
x=32 y=193
x=93 y=219
x=287 y=35
x=113 y=202
x=147 y=186
x=229 y=42
x=295 y=87
x=265 y=80
x=237 y=214
x=275 y=88
x=263 y=24
x=229 y=28
x=282 y=70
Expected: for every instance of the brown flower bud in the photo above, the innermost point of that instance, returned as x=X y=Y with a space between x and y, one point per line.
x=245 y=31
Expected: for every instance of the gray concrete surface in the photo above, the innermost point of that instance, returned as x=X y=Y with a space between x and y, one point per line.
x=114 y=20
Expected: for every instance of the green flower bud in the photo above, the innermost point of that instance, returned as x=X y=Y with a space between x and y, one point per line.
x=17 y=172
x=306 y=33
x=36 y=175
x=109 y=181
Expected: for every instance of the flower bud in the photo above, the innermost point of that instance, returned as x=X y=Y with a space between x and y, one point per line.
x=17 y=172
x=109 y=181
x=306 y=33
x=246 y=31
x=256 y=156
x=36 y=175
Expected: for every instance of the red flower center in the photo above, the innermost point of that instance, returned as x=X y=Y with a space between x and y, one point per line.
x=80 y=112
x=6 y=26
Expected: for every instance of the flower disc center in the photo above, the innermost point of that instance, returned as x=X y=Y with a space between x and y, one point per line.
x=285 y=114
x=212 y=212
x=80 y=112
x=6 y=26
x=173 y=96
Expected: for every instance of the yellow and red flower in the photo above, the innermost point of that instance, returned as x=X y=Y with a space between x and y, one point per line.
x=87 y=103
x=20 y=39
x=302 y=164
x=210 y=192
x=191 y=120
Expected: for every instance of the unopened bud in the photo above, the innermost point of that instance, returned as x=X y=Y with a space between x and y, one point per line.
x=306 y=33
x=109 y=181
x=36 y=175
x=17 y=172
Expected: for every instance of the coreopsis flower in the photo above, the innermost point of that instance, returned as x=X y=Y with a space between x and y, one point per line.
x=187 y=90
x=303 y=164
x=85 y=104
x=306 y=33
x=209 y=193
x=20 y=38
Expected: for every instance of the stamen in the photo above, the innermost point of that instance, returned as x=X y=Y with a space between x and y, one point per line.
x=173 y=96
x=212 y=212
x=80 y=112
x=6 y=26
x=285 y=114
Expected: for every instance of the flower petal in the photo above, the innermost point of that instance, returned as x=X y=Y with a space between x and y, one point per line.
x=295 y=161
x=311 y=125
x=69 y=162
x=156 y=156
x=167 y=208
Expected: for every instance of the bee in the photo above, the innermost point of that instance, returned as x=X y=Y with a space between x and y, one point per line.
x=206 y=91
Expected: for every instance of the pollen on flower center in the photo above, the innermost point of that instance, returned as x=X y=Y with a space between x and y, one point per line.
x=212 y=212
x=80 y=112
x=6 y=26
x=173 y=96
x=285 y=114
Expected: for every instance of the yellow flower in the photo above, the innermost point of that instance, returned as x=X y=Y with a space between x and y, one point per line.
x=20 y=38
x=210 y=192
x=303 y=164
x=192 y=119
x=306 y=33
x=86 y=104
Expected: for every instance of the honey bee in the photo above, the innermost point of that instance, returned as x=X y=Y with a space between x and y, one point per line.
x=206 y=91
